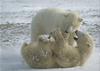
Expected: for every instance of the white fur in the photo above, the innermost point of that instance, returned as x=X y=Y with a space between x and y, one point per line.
x=47 y=20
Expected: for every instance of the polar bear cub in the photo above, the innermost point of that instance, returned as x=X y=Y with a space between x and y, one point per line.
x=65 y=54
x=38 y=54
x=47 y=20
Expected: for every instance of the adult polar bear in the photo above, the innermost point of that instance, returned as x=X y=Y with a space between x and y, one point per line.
x=47 y=20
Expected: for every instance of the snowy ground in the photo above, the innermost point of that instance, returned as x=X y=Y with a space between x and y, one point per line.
x=15 y=18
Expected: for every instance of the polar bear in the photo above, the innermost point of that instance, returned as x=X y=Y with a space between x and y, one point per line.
x=68 y=56
x=47 y=20
x=65 y=54
x=58 y=49
x=85 y=46
x=38 y=54
x=48 y=49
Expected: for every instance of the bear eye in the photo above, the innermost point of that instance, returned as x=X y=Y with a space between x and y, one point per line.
x=49 y=37
x=76 y=32
x=66 y=31
x=80 y=19
x=88 y=45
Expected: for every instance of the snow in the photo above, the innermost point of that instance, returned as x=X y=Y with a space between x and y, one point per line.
x=15 y=19
x=11 y=60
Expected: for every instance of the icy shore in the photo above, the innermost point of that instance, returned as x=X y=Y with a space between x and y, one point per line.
x=15 y=19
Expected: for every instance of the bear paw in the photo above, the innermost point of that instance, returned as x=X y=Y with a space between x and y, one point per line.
x=46 y=38
x=58 y=36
